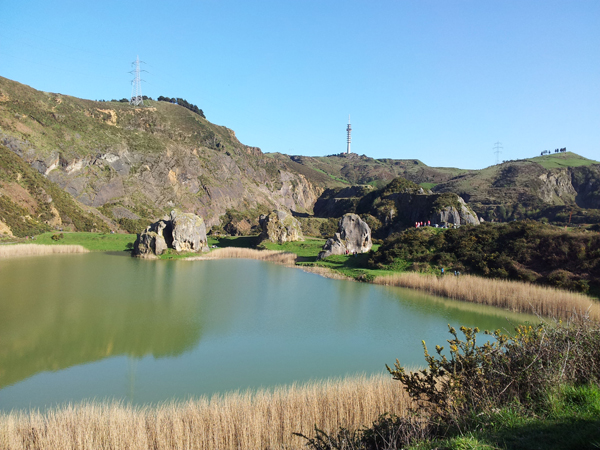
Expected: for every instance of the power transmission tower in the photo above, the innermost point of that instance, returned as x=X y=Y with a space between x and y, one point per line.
x=349 y=132
x=136 y=84
x=497 y=150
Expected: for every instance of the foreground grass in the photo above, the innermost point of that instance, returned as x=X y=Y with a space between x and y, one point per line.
x=265 y=419
x=571 y=420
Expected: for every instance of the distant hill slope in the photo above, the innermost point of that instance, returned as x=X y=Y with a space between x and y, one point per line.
x=357 y=169
x=530 y=188
x=138 y=163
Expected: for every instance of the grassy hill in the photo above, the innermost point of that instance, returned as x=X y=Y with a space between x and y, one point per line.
x=136 y=164
x=545 y=186
x=360 y=169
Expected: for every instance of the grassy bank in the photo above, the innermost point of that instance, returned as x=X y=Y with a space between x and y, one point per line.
x=512 y=295
x=252 y=420
x=9 y=251
x=99 y=242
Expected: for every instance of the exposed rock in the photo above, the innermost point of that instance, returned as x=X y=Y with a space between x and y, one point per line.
x=5 y=229
x=184 y=232
x=354 y=235
x=280 y=226
x=189 y=232
x=241 y=227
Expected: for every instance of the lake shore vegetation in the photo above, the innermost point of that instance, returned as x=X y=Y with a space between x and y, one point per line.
x=537 y=388
x=11 y=251
x=515 y=296
x=263 y=419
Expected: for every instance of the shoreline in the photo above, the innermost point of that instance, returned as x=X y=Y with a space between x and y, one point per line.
x=509 y=295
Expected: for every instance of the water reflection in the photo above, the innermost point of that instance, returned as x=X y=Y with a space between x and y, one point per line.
x=66 y=310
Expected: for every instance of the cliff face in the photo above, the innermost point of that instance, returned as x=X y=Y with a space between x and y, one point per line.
x=133 y=163
x=398 y=205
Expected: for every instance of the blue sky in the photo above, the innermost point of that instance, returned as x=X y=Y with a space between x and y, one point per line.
x=440 y=81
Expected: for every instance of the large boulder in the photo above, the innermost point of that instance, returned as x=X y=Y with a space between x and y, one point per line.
x=184 y=232
x=353 y=236
x=280 y=227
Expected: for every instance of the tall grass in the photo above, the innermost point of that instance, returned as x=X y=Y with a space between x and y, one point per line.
x=512 y=295
x=264 y=419
x=8 y=251
x=288 y=259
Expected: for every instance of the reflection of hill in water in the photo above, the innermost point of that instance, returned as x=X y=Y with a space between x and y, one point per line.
x=106 y=306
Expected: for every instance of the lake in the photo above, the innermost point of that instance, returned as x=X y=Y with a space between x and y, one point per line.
x=107 y=326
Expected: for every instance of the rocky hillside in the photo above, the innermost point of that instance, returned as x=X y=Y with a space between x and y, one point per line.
x=135 y=164
x=396 y=206
x=537 y=187
x=125 y=167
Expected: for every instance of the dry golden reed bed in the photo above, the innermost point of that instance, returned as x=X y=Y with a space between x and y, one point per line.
x=8 y=251
x=288 y=259
x=260 y=420
x=512 y=295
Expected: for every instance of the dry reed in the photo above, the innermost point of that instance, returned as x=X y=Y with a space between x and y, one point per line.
x=326 y=272
x=8 y=251
x=265 y=419
x=285 y=258
x=512 y=295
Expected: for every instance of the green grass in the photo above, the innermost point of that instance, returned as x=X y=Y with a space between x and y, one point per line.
x=100 y=242
x=428 y=185
x=569 y=419
x=308 y=250
x=558 y=160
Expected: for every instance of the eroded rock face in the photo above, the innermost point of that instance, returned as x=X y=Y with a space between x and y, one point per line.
x=184 y=232
x=450 y=214
x=354 y=235
x=280 y=226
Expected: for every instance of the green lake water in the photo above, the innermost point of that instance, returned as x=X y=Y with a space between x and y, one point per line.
x=107 y=326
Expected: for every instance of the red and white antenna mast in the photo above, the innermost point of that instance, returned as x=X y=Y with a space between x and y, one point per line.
x=349 y=130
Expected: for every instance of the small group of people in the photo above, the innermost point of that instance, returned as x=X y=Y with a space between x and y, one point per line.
x=456 y=272
x=423 y=224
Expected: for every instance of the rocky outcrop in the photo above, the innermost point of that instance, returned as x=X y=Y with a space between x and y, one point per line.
x=353 y=236
x=280 y=227
x=184 y=232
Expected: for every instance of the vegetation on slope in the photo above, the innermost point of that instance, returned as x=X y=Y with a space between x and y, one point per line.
x=525 y=250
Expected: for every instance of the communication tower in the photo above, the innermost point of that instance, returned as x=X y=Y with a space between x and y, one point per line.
x=136 y=84
x=349 y=131
x=497 y=150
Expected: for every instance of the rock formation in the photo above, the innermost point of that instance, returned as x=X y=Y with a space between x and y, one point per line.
x=184 y=232
x=280 y=227
x=354 y=235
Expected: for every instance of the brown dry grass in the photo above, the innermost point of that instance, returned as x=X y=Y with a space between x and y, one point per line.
x=8 y=251
x=252 y=420
x=285 y=258
x=512 y=295
x=326 y=272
